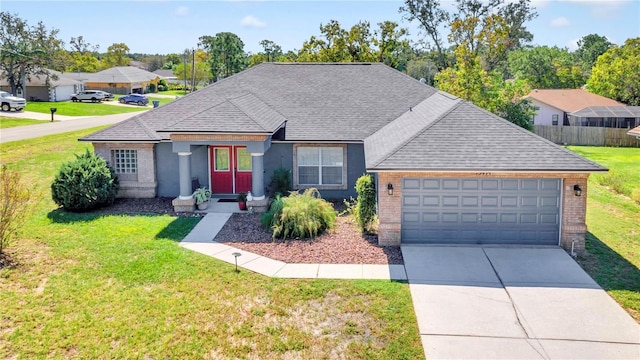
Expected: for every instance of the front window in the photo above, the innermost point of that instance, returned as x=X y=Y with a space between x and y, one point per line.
x=320 y=165
x=554 y=119
x=125 y=161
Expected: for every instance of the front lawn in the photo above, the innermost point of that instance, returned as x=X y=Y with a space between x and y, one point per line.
x=79 y=109
x=9 y=122
x=613 y=220
x=119 y=286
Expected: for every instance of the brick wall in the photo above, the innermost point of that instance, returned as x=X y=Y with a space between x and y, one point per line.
x=142 y=184
x=573 y=227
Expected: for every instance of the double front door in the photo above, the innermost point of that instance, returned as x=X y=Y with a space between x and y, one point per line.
x=230 y=169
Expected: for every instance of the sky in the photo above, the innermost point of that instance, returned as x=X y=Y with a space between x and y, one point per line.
x=166 y=26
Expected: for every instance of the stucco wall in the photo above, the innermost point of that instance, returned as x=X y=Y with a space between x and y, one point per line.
x=573 y=212
x=544 y=115
x=167 y=168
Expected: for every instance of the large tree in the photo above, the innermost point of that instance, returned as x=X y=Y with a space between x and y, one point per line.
x=83 y=56
x=545 y=67
x=431 y=18
x=616 y=74
x=26 y=51
x=589 y=48
x=116 y=56
x=226 y=54
x=270 y=52
x=202 y=73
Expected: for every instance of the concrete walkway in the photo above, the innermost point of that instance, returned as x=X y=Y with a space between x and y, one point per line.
x=514 y=303
x=200 y=239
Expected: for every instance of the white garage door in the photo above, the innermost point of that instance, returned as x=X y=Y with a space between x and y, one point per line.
x=481 y=211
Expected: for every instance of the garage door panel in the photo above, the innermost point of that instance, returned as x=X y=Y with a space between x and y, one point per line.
x=481 y=211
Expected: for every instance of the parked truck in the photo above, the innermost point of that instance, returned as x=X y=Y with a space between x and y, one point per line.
x=8 y=102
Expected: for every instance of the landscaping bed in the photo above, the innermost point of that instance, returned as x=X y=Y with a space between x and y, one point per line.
x=343 y=245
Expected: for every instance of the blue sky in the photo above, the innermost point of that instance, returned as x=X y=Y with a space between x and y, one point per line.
x=164 y=26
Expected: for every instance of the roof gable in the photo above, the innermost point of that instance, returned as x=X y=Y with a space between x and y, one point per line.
x=468 y=138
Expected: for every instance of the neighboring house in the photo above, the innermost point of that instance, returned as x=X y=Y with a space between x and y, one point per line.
x=55 y=87
x=446 y=171
x=635 y=132
x=169 y=76
x=118 y=80
x=555 y=105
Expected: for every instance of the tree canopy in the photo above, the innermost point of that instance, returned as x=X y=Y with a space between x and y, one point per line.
x=545 y=67
x=226 y=53
x=616 y=74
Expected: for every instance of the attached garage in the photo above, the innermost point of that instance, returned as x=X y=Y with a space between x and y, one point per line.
x=449 y=172
x=481 y=211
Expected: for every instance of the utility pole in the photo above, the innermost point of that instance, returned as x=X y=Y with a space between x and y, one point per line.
x=184 y=61
x=193 y=70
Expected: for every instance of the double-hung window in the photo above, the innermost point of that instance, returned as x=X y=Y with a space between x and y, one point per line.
x=320 y=166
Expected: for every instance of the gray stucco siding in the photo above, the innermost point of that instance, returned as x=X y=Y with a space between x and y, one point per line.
x=167 y=168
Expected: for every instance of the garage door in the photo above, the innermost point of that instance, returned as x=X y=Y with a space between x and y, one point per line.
x=481 y=211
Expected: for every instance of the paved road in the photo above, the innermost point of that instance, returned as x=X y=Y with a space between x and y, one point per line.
x=514 y=303
x=51 y=128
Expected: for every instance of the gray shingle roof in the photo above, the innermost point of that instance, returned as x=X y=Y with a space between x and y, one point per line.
x=608 y=111
x=319 y=101
x=468 y=138
x=40 y=80
x=122 y=74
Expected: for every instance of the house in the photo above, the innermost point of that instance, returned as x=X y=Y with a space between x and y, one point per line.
x=446 y=170
x=168 y=76
x=55 y=86
x=555 y=105
x=119 y=80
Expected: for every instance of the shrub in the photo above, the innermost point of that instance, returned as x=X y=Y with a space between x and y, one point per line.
x=14 y=198
x=300 y=215
x=151 y=88
x=162 y=88
x=615 y=181
x=85 y=184
x=281 y=182
x=365 y=210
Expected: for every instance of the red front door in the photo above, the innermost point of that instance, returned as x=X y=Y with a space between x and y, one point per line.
x=230 y=169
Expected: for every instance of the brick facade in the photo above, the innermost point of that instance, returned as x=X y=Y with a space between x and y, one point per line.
x=573 y=211
x=143 y=183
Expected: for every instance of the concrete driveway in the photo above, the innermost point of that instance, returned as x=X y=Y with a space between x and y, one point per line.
x=514 y=303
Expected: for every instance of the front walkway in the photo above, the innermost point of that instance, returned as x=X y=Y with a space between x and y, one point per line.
x=200 y=239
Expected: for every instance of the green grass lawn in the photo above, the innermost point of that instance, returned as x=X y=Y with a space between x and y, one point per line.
x=613 y=220
x=8 y=122
x=119 y=286
x=79 y=109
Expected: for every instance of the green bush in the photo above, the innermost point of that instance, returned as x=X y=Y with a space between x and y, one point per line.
x=300 y=215
x=85 y=184
x=14 y=209
x=162 y=88
x=365 y=209
x=151 y=88
x=281 y=182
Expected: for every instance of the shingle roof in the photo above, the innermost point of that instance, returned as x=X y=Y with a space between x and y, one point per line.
x=608 y=111
x=319 y=101
x=40 y=80
x=468 y=138
x=121 y=74
x=570 y=100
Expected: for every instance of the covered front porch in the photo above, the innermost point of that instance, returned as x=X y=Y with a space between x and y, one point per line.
x=235 y=164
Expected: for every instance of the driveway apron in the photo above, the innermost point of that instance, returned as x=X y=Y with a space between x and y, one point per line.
x=513 y=303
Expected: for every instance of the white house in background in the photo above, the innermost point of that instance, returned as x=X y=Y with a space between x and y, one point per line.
x=56 y=87
x=555 y=105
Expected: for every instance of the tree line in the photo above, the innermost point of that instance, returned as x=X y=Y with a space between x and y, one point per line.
x=480 y=51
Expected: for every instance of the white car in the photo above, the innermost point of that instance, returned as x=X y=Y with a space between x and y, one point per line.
x=8 y=102
x=88 y=95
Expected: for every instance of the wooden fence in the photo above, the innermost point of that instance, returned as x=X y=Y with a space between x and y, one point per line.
x=594 y=136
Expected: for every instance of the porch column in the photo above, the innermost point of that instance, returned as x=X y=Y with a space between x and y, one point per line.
x=184 y=169
x=257 y=176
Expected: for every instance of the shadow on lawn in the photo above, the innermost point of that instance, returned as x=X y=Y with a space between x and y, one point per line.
x=608 y=268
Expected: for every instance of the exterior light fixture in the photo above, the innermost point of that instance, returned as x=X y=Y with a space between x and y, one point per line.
x=235 y=255
x=390 y=188
x=576 y=190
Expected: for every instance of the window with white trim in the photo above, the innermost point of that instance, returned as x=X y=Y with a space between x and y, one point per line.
x=125 y=161
x=320 y=166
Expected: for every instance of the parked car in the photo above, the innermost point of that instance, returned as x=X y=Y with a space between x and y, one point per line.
x=107 y=95
x=134 y=98
x=88 y=95
x=8 y=102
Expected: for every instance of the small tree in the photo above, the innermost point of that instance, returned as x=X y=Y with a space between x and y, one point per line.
x=85 y=184
x=366 y=207
x=14 y=198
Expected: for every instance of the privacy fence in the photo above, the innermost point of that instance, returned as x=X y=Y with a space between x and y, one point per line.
x=594 y=136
